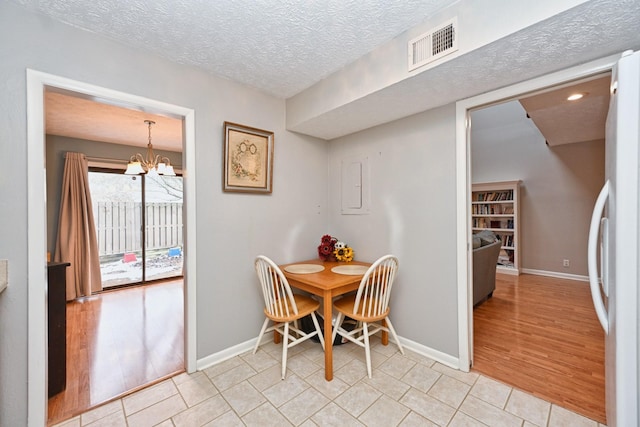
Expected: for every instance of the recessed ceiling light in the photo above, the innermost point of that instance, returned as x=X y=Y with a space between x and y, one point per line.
x=575 y=96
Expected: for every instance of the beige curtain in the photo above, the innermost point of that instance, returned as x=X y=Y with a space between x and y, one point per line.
x=77 y=242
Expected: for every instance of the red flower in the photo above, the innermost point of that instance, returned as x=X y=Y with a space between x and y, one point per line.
x=326 y=248
x=327 y=239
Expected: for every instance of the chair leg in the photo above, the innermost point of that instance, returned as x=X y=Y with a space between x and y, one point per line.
x=317 y=325
x=285 y=347
x=264 y=328
x=393 y=333
x=297 y=326
x=367 y=348
x=339 y=320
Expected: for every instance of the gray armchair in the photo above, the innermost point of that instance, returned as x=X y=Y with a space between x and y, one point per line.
x=485 y=259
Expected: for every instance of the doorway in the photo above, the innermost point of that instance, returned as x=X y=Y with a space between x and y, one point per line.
x=37 y=84
x=463 y=140
x=540 y=332
x=463 y=186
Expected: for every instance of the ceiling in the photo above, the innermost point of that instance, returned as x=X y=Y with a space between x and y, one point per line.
x=283 y=46
x=81 y=118
x=278 y=46
x=550 y=114
x=562 y=121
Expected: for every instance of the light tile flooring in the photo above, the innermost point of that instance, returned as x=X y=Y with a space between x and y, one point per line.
x=409 y=390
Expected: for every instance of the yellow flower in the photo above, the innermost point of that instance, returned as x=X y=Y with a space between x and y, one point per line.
x=344 y=254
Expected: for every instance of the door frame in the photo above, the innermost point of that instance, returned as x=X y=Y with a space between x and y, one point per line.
x=37 y=82
x=464 y=259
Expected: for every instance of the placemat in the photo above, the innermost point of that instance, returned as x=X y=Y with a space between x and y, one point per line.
x=304 y=268
x=352 y=270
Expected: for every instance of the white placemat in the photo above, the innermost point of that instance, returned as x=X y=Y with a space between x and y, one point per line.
x=352 y=270
x=304 y=268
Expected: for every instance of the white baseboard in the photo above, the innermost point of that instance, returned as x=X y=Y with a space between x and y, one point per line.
x=438 y=356
x=555 y=274
x=226 y=354
x=507 y=270
x=238 y=349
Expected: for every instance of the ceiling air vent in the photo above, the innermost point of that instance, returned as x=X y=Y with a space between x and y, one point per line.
x=433 y=45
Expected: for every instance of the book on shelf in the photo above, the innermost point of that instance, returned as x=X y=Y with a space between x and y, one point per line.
x=494 y=196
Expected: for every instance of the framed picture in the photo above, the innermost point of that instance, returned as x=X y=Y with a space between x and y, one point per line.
x=248 y=159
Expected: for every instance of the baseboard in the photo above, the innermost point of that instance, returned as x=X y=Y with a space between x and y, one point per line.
x=507 y=270
x=438 y=356
x=226 y=354
x=238 y=349
x=555 y=274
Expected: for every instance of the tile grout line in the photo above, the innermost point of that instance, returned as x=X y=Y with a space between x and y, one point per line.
x=418 y=361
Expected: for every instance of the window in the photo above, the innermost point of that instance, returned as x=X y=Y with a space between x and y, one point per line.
x=139 y=226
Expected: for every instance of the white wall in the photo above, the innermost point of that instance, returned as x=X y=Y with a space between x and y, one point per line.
x=232 y=228
x=412 y=215
x=559 y=185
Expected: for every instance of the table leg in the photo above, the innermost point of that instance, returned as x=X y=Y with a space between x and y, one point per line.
x=328 y=331
x=277 y=337
x=384 y=338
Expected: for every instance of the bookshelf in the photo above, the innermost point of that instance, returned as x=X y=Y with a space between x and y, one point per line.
x=495 y=207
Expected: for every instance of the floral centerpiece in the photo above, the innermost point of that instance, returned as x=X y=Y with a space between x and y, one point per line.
x=332 y=249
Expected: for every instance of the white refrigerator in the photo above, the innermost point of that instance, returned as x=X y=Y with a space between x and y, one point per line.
x=613 y=249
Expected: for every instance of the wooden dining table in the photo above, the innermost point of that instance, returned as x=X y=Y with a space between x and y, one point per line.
x=327 y=284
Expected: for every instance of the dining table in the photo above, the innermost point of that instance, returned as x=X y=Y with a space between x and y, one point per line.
x=327 y=279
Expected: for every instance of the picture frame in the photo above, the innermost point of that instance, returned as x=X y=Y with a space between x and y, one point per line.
x=248 y=159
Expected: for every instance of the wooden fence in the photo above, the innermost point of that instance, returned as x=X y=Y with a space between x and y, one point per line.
x=119 y=226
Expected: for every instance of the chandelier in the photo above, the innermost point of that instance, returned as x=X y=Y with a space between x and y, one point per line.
x=151 y=164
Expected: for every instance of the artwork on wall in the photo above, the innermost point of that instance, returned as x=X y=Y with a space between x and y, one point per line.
x=248 y=159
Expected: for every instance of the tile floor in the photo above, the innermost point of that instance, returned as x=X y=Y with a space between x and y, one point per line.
x=409 y=390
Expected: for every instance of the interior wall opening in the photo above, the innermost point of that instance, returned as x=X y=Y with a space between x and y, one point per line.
x=38 y=84
x=138 y=224
x=504 y=103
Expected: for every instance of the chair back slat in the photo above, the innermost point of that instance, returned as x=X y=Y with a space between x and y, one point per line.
x=278 y=298
x=374 y=291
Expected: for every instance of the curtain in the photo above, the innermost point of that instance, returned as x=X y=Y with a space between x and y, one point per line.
x=77 y=242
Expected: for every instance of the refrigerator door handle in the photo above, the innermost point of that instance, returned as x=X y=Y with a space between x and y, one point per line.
x=604 y=255
x=592 y=256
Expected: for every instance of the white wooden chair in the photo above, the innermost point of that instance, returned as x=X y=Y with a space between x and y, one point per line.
x=284 y=308
x=369 y=306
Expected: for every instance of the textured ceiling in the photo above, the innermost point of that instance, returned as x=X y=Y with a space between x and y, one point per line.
x=283 y=46
x=590 y=31
x=278 y=46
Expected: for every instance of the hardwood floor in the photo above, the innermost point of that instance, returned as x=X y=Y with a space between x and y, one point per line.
x=119 y=342
x=541 y=335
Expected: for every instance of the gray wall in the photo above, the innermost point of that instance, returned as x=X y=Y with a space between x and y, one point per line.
x=559 y=185
x=231 y=228
x=57 y=147
x=412 y=215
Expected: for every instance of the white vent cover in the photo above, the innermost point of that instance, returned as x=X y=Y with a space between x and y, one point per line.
x=435 y=44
